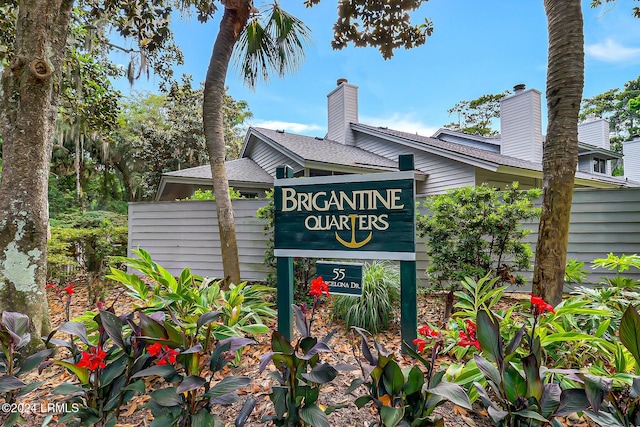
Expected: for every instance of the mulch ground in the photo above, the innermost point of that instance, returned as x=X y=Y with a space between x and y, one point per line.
x=430 y=308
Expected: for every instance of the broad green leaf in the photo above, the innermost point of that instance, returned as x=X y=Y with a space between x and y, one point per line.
x=630 y=332
x=255 y=329
x=362 y=400
x=159 y=370
x=227 y=385
x=322 y=373
x=114 y=369
x=166 y=397
x=391 y=416
x=357 y=382
x=67 y=388
x=415 y=381
x=392 y=378
x=279 y=344
x=526 y=413
x=34 y=360
x=202 y=418
x=314 y=416
x=279 y=398
x=453 y=393
x=81 y=373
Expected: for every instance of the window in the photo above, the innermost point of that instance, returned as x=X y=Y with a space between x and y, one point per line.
x=599 y=165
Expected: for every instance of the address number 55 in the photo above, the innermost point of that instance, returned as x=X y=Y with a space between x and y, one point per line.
x=339 y=273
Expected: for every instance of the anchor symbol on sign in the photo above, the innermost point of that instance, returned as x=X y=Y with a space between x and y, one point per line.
x=353 y=244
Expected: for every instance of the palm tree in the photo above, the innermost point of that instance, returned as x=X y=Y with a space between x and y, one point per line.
x=565 y=82
x=278 y=46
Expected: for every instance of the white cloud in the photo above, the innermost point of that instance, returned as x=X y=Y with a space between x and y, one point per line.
x=612 y=51
x=301 y=128
x=402 y=122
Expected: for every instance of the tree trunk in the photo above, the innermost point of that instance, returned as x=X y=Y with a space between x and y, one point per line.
x=565 y=82
x=28 y=116
x=236 y=15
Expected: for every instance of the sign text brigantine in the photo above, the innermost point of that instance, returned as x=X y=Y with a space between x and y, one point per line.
x=372 y=213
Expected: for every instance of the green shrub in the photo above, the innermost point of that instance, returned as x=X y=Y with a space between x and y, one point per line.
x=201 y=194
x=373 y=311
x=471 y=231
x=83 y=243
x=303 y=268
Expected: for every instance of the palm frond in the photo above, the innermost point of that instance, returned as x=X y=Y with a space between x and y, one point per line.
x=277 y=44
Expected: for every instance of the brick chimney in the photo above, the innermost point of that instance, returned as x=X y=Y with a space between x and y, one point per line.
x=521 y=124
x=342 y=103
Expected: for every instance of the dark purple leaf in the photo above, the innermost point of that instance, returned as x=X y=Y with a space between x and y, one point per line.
x=76 y=329
x=192 y=382
x=10 y=383
x=113 y=327
x=318 y=348
x=265 y=359
x=302 y=324
x=207 y=318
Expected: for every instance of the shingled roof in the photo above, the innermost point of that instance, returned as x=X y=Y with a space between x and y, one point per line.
x=240 y=170
x=315 y=149
x=471 y=152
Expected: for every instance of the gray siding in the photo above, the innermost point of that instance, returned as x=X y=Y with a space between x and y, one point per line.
x=268 y=158
x=443 y=173
x=185 y=234
x=595 y=132
x=631 y=150
x=342 y=109
x=521 y=126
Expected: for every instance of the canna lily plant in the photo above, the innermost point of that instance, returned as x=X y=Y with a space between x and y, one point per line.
x=404 y=397
x=300 y=374
x=520 y=397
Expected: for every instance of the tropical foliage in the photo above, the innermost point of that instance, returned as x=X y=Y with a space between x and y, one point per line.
x=471 y=231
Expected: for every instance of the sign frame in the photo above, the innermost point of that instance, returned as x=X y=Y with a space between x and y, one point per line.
x=284 y=260
x=326 y=184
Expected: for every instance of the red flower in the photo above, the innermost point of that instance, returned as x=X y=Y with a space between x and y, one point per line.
x=539 y=306
x=318 y=287
x=468 y=337
x=50 y=286
x=69 y=289
x=93 y=359
x=164 y=353
x=426 y=331
x=420 y=343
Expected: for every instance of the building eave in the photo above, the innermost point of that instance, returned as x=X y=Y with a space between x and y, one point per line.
x=470 y=160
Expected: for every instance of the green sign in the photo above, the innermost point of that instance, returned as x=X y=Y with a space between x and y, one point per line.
x=342 y=278
x=368 y=216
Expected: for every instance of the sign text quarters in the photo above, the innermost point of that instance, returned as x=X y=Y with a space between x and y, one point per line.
x=349 y=216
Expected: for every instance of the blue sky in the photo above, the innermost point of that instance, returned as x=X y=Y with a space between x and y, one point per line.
x=478 y=47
